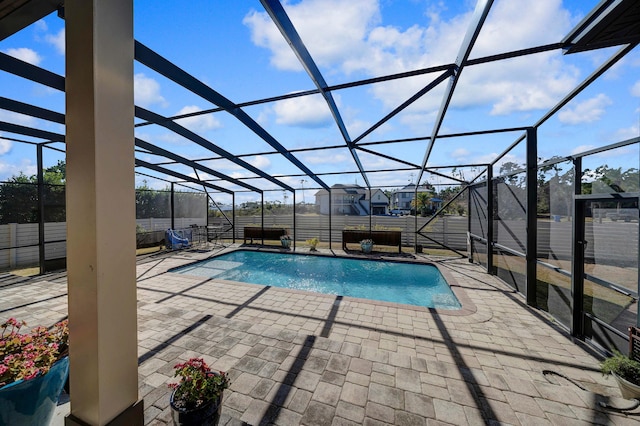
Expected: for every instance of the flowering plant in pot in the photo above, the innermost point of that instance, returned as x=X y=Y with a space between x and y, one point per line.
x=33 y=369
x=626 y=371
x=197 y=398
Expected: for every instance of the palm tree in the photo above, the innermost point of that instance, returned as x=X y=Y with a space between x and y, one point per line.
x=421 y=202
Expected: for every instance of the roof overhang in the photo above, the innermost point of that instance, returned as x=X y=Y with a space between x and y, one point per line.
x=611 y=23
x=18 y=14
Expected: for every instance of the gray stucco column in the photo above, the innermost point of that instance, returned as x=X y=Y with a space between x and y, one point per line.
x=101 y=213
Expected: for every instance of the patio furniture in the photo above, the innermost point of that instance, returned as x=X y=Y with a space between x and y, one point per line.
x=176 y=241
x=251 y=232
x=383 y=238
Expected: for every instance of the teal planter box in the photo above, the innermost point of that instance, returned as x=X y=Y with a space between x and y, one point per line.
x=33 y=402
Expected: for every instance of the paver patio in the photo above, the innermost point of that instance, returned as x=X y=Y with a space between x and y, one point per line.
x=302 y=358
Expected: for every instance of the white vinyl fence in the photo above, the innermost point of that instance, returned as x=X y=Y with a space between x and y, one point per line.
x=19 y=242
x=449 y=230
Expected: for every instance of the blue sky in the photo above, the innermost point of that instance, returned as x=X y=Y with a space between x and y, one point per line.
x=234 y=48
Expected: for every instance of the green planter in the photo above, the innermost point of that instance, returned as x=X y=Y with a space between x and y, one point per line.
x=285 y=243
x=33 y=402
x=366 y=247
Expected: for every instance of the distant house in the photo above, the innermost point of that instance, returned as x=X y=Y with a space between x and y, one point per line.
x=379 y=202
x=401 y=199
x=352 y=200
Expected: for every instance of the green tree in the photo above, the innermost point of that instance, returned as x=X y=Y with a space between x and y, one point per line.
x=608 y=179
x=19 y=197
x=508 y=172
x=457 y=207
x=555 y=188
x=421 y=202
x=152 y=202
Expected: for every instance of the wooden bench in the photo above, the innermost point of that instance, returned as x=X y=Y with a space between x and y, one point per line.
x=251 y=232
x=383 y=238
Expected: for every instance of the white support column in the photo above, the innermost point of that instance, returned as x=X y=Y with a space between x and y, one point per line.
x=101 y=213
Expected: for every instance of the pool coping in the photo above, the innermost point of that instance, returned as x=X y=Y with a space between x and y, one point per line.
x=467 y=306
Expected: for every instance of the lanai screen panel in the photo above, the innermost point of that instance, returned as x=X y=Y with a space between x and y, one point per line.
x=510 y=228
x=478 y=221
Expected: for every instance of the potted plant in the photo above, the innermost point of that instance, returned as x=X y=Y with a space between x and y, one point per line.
x=285 y=240
x=34 y=367
x=197 y=398
x=366 y=245
x=313 y=242
x=626 y=371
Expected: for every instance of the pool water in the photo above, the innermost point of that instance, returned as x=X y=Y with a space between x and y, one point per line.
x=408 y=283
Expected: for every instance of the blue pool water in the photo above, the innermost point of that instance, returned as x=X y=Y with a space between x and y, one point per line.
x=407 y=283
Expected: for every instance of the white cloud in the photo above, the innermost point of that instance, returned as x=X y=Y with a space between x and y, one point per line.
x=227 y=167
x=585 y=112
x=146 y=91
x=201 y=175
x=16 y=118
x=419 y=122
x=25 y=54
x=306 y=111
x=627 y=133
x=582 y=148
x=635 y=90
x=488 y=158
x=346 y=37
x=357 y=127
x=172 y=138
x=41 y=25
x=259 y=161
x=460 y=154
x=8 y=170
x=326 y=158
x=331 y=29
x=197 y=123
x=5 y=146
x=621 y=152
x=57 y=40
x=524 y=20
x=375 y=162
x=238 y=175
x=522 y=84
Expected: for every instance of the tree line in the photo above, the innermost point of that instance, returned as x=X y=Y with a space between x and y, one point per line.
x=19 y=199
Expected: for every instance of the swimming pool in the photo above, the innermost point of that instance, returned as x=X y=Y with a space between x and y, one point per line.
x=407 y=283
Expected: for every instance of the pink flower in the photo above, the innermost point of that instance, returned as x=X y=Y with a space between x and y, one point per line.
x=25 y=356
x=198 y=384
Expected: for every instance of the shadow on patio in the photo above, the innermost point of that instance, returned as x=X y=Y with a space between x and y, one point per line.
x=302 y=358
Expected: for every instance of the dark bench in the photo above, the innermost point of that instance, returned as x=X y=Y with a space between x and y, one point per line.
x=383 y=238
x=251 y=232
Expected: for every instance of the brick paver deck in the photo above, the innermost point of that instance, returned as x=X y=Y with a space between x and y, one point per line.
x=303 y=358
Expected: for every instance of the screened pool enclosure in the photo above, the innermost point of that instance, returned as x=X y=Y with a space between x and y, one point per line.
x=557 y=223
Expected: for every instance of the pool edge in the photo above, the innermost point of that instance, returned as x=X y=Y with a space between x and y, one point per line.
x=467 y=306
